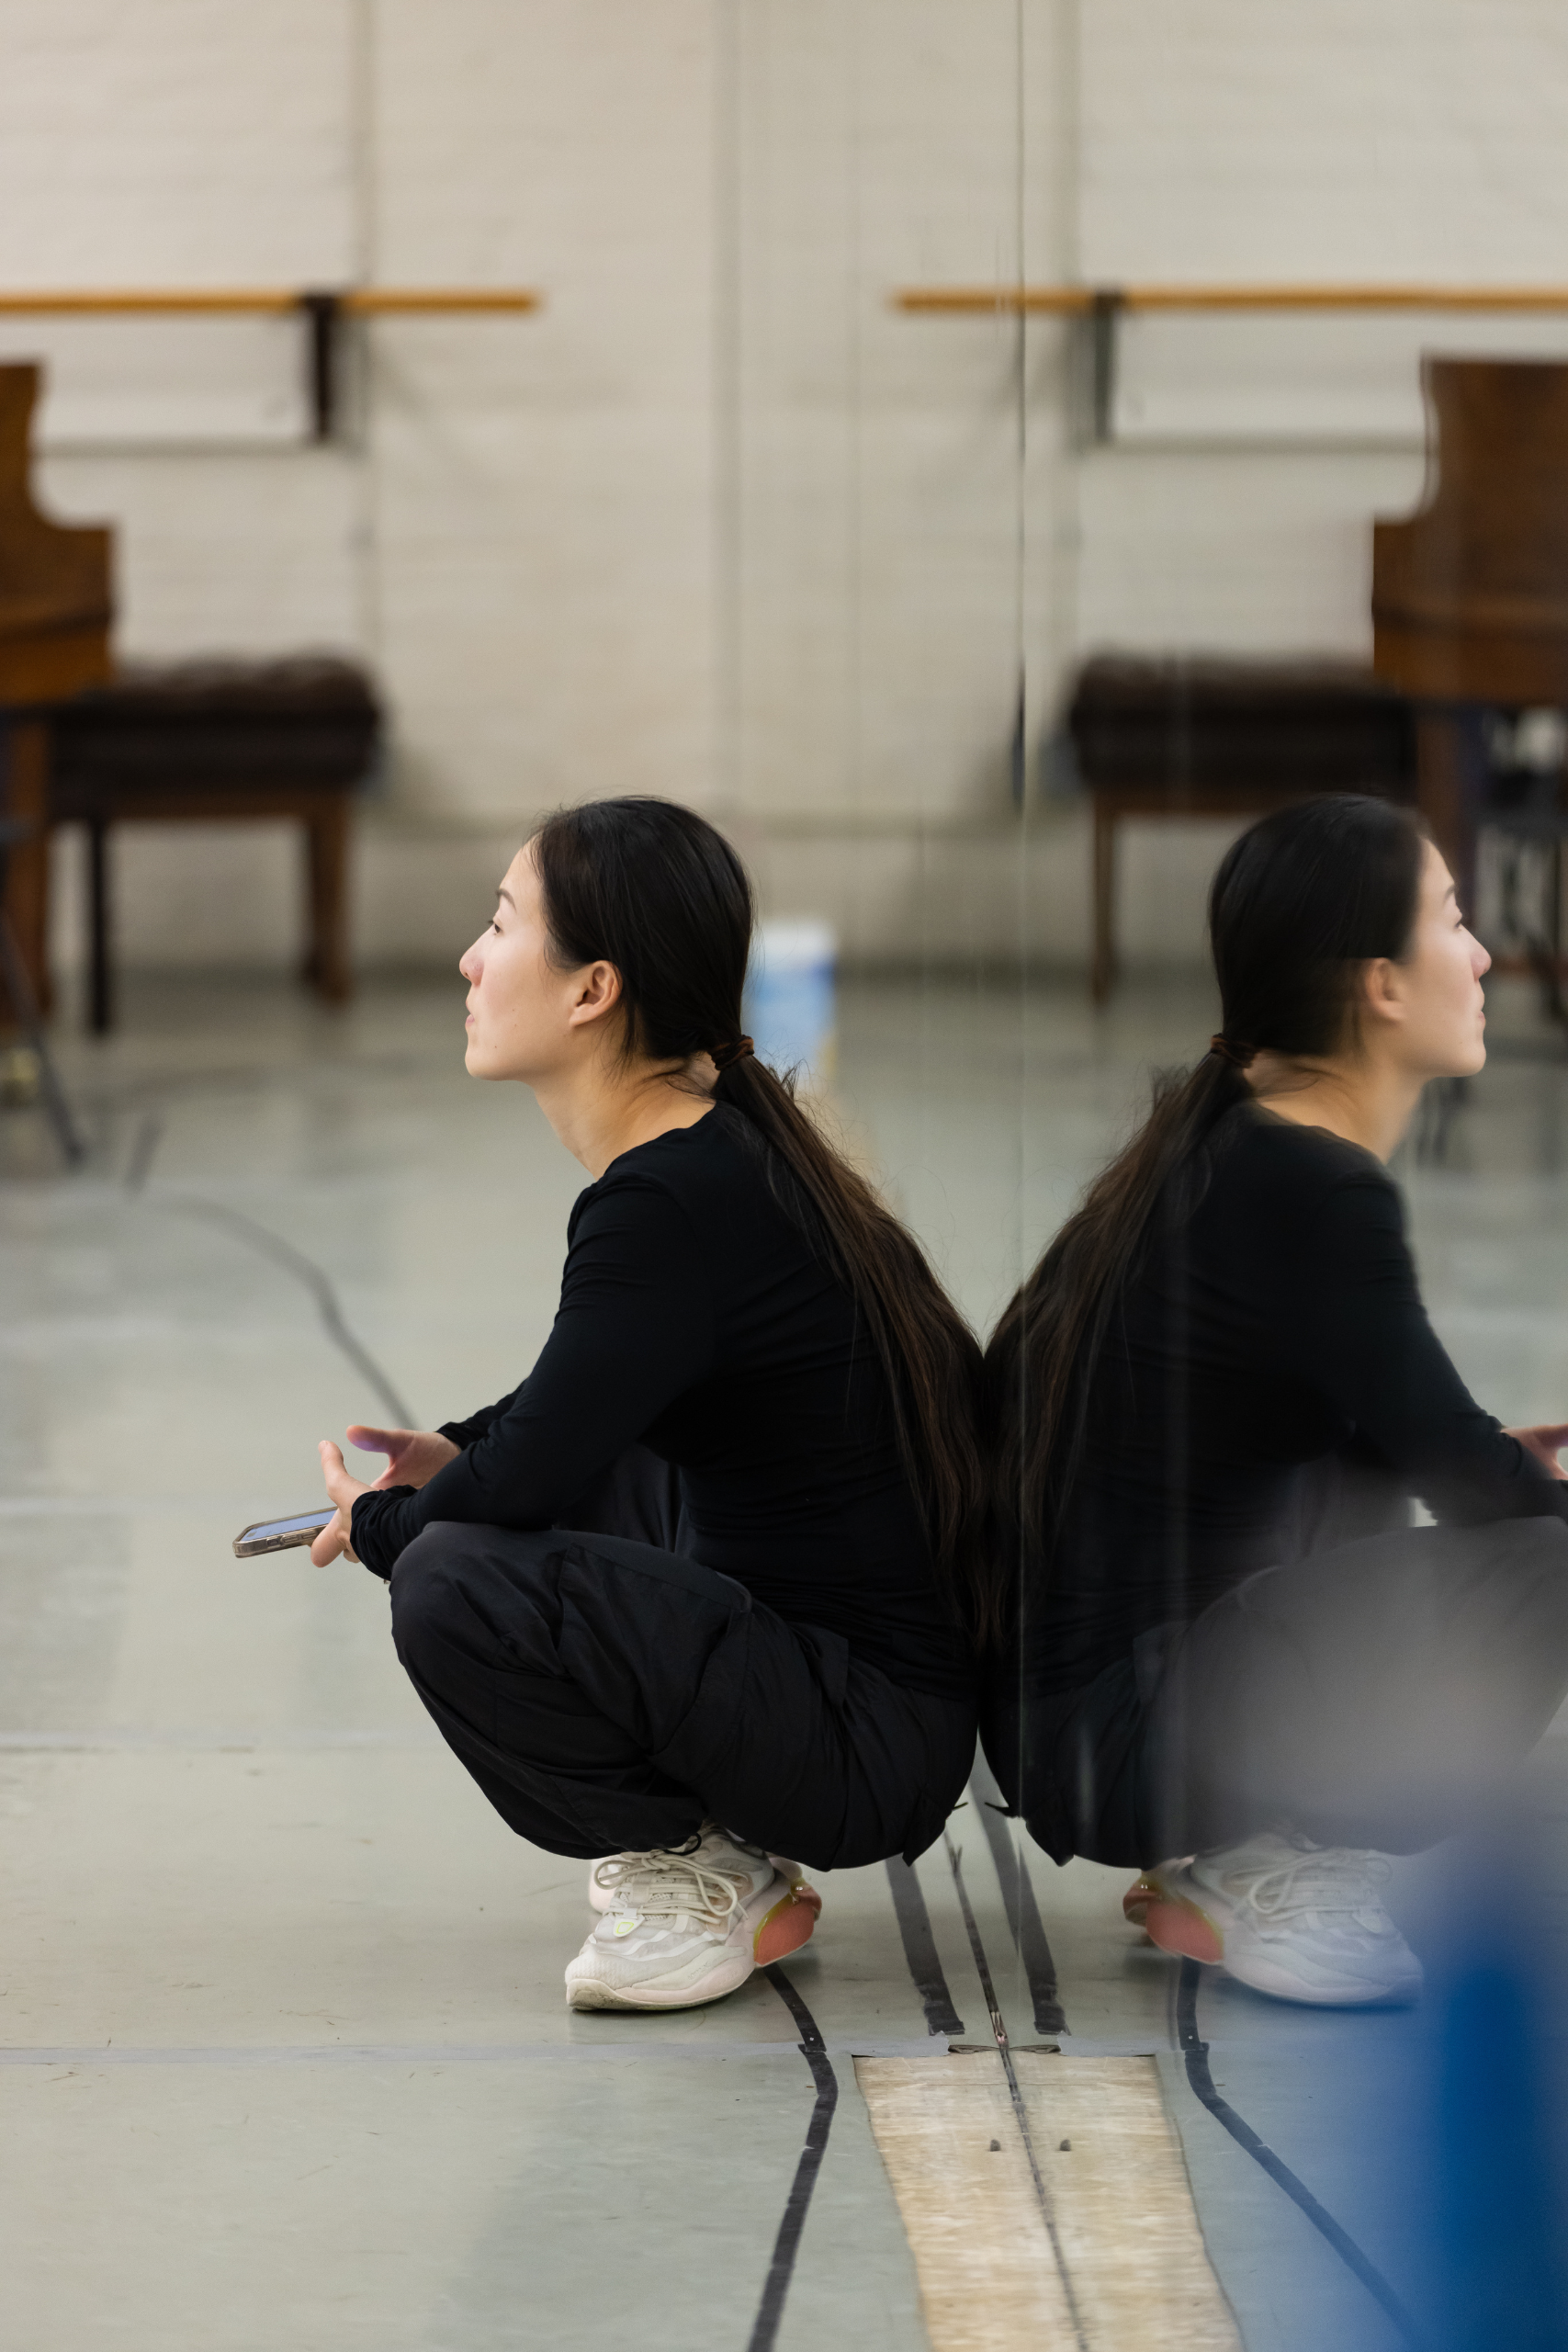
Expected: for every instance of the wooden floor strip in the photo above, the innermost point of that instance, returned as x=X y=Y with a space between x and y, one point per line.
x=1113 y=2171
x=951 y=2142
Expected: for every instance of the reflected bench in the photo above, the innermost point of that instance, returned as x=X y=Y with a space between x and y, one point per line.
x=1200 y=736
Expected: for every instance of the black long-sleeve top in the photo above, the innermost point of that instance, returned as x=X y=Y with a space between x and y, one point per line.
x=696 y=1318
x=1279 y=1327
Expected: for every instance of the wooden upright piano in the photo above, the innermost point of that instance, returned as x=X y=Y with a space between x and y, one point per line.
x=1470 y=594
x=84 y=743
x=56 y=607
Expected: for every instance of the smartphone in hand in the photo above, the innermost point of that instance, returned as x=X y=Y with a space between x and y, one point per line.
x=281 y=1534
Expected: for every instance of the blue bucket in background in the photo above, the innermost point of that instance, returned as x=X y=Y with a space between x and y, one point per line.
x=791 y=998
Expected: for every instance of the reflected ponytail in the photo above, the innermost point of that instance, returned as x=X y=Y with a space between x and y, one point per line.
x=654 y=890
x=1299 y=904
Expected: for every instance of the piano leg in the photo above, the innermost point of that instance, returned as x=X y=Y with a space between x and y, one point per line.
x=26 y=880
x=1450 y=770
x=18 y=992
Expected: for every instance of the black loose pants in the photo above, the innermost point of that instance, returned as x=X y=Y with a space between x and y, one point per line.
x=608 y=1692
x=1371 y=1695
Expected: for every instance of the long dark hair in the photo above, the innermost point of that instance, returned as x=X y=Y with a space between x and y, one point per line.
x=652 y=889
x=1299 y=902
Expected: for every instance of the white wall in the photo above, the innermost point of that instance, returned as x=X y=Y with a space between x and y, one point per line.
x=719 y=522
x=520 y=536
x=883 y=488
x=1249 y=141
x=878 y=468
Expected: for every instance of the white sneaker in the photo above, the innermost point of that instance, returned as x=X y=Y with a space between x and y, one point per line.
x=605 y=1878
x=686 y=1927
x=1305 y=1923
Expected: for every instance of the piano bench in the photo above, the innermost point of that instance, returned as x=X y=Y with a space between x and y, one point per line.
x=1204 y=737
x=197 y=742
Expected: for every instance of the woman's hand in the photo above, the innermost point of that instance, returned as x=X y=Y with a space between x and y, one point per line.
x=413 y=1456
x=334 y=1538
x=1545 y=1445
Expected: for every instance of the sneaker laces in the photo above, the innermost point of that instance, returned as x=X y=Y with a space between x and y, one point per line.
x=661 y=1885
x=1319 y=1879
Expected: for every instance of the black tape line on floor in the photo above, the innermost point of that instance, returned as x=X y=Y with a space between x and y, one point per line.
x=267 y=1244
x=1027 y=1927
x=1020 y=2114
x=920 y=1949
x=1196 y=2053
x=776 y=2287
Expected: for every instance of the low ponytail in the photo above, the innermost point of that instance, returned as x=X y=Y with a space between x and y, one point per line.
x=931 y=1356
x=1300 y=904
x=654 y=890
x=1044 y=1354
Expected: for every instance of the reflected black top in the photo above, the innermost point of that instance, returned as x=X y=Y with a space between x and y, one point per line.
x=1279 y=1326
x=695 y=1318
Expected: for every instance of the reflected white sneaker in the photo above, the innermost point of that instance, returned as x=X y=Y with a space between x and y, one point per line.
x=1305 y=1923
x=689 y=1926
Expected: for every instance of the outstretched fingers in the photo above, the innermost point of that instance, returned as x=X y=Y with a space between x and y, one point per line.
x=367 y=1439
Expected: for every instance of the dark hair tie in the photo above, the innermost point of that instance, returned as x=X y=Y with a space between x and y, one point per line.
x=1229 y=1051
x=722 y=1055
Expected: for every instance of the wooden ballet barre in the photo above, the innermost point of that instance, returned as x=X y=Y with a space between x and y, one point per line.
x=366 y=301
x=1103 y=306
x=362 y=300
x=55 y=302
x=322 y=311
x=1010 y=301
x=1077 y=301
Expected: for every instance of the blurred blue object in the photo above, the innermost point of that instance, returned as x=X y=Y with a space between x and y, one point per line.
x=1498 y=2217
x=791 y=1000
x=1497 y=2213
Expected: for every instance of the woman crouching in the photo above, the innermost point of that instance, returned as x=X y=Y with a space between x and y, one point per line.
x=691 y=1597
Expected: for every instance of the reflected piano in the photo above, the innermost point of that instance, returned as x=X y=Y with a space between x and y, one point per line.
x=1470 y=594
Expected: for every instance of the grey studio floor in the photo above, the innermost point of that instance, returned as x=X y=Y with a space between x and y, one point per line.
x=284 y=2062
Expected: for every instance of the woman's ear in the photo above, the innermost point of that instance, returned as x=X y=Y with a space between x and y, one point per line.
x=598 y=993
x=1384 y=997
